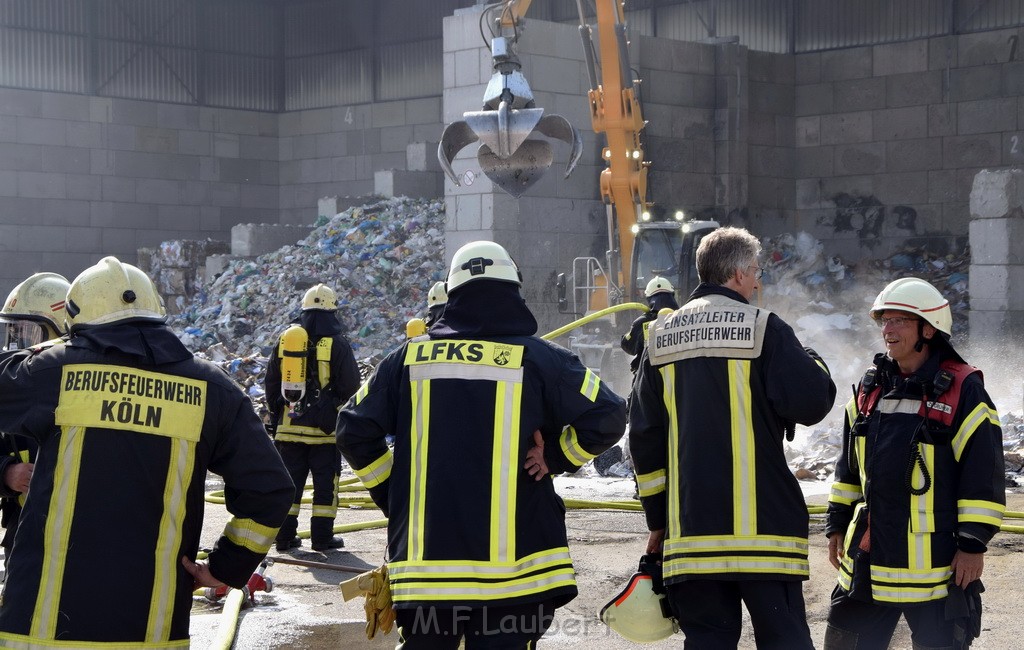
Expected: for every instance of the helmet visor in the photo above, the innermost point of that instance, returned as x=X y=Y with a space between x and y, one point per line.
x=21 y=334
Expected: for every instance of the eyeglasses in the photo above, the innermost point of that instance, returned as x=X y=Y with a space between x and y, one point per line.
x=895 y=321
x=758 y=271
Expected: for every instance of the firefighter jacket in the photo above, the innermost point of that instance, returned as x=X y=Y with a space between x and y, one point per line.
x=18 y=449
x=467 y=524
x=719 y=383
x=128 y=423
x=332 y=377
x=920 y=475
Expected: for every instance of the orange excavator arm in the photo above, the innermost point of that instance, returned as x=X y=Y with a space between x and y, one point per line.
x=615 y=111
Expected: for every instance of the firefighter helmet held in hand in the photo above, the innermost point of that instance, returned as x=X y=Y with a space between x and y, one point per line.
x=482 y=260
x=320 y=297
x=34 y=311
x=657 y=285
x=437 y=295
x=638 y=613
x=918 y=297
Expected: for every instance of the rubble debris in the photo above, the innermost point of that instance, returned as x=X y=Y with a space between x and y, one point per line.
x=381 y=258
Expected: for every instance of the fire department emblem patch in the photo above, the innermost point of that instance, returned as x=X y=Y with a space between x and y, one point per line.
x=502 y=353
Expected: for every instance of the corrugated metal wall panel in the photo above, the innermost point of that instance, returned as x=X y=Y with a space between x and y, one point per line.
x=979 y=16
x=328 y=26
x=140 y=72
x=43 y=61
x=251 y=29
x=829 y=24
x=235 y=81
x=329 y=80
x=51 y=15
x=410 y=70
x=762 y=25
x=167 y=22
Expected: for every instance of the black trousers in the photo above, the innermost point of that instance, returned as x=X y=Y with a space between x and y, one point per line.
x=857 y=625
x=516 y=627
x=710 y=613
x=323 y=462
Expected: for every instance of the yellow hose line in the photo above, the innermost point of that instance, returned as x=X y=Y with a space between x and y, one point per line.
x=592 y=317
x=348 y=528
x=228 y=620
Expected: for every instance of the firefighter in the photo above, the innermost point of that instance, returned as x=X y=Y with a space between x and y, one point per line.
x=33 y=313
x=660 y=295
x=483 y=412
x=304 y=428
x=128 y=423
x=437 y=298
x=919 y=487
x=718 y=385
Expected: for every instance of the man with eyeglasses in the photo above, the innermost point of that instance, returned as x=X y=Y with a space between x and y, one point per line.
x=919 y=487
x=719 y=384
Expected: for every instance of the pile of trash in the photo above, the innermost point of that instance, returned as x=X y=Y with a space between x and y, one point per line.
x=381 y=259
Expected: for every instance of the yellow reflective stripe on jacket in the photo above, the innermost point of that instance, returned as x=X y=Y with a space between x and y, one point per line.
x=480 y=580
x=419 y=435
x=505 y=470
x=979 y=415
x=288 y=431
x=179 y=477
x=736 y=564
x=57 y=532
x=305 y=435
x=900 y=585
x=845 y=493
x=591 y=385
x=851 y=411
x=323 y=360
x=23 y=642
x=363 y=391
x=922 y=506
x=652 y=483
x=744 y=477
x=250 y=535
x=668 y=379
x=980 y=511
x=376 y=472
x=570 y=444
x=482 y=591
x=733 y=543
x=700 y=554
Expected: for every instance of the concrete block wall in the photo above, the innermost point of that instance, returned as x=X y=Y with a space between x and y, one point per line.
x=677 y=91
x=997 y=263
x=337 y=151
x=82 y=177
x=889 y=138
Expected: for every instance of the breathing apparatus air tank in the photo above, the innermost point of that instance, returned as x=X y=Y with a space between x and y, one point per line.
x=292 y=353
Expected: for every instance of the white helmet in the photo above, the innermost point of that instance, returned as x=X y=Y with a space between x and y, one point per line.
x=916 y=296
x=320 y=296
x=482 y=260
x=637 y=613
x=112 y=291
x=39 y=298
x=34 y=311
x=437 y=295
x=658 y=284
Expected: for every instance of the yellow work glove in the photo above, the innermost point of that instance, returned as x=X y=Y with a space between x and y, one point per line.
x=374 y=585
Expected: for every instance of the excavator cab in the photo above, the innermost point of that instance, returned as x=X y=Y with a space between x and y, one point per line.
x=668 y=249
